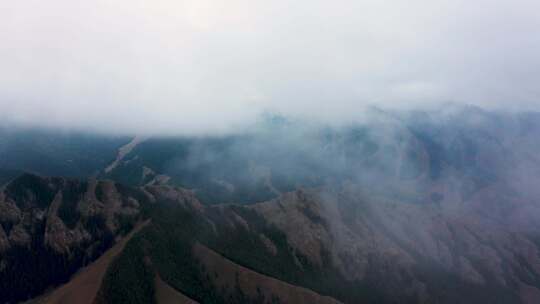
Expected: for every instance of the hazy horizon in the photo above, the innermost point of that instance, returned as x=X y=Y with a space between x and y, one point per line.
x=203 y=66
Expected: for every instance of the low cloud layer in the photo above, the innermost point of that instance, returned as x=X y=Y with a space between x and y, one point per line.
x=203 y=66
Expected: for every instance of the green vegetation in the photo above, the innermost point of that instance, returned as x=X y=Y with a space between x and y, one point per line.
x=6 y=175
x=168 y=245
x=28 y=270
x=129 y=279
x=72 y=193
x=51 y=153
x=246 y=248
x=31 y=191
x=220 y=170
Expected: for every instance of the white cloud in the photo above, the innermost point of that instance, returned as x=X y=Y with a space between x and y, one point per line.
x=201 y=65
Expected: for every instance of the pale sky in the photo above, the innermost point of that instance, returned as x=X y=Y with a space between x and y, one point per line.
x=203 y=66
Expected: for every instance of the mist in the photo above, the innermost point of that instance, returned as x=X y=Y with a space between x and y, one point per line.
x=212 y=67
x=393 y=143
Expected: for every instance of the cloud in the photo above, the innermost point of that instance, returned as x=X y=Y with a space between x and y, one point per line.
x=169 y=66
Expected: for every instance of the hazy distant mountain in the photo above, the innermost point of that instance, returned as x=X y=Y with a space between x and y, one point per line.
x=57 y=153
x=7 y=175
x=471 y=145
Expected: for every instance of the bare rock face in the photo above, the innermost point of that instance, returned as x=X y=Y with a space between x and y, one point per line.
x=58 y=236
x=9 y=213
x=20 y=237
x=310 y=234
x=89 y=205
x=50 y=227
x=376 y=238
x=269 y=244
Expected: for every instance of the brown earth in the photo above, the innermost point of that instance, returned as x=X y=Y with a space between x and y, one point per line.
x=85 y=284
x=254 y=284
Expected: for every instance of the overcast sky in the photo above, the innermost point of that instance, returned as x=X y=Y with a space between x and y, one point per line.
x=201 y=65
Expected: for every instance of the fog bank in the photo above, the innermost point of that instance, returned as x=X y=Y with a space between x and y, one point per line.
x=206 y=66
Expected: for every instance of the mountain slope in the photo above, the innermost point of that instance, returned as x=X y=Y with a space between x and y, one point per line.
x=413 y=207
x=84 y=286
x=403 y=152
x=50 y=227
x=322 y=244
x=57 y=153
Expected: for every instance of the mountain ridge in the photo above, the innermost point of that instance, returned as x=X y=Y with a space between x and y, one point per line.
x=420 y=207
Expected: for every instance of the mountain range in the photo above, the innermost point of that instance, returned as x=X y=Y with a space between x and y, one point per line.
x=401 y=207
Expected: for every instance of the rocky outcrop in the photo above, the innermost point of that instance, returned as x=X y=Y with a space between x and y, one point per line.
x=50 y=227
x=376 y=238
